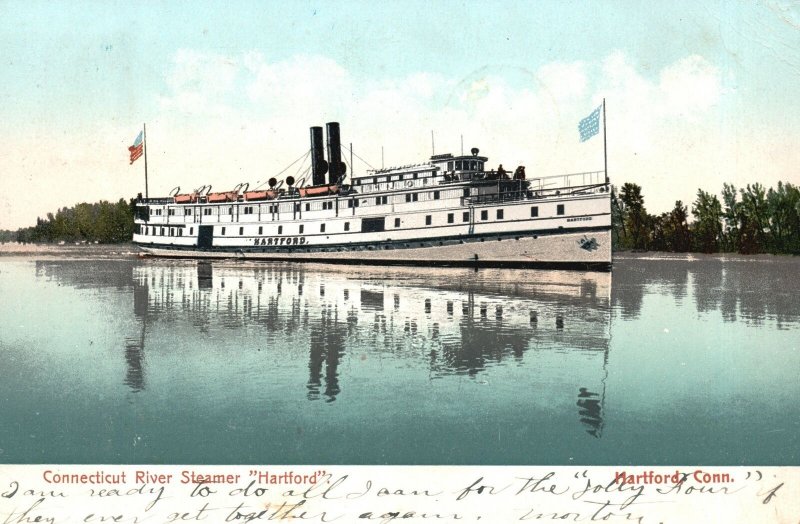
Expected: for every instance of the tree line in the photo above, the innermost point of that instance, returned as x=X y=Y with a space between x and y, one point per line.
x=103 y=222
x=750 y=220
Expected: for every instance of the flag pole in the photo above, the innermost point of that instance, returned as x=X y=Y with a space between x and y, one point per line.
x=605 y=153
x=144 y=146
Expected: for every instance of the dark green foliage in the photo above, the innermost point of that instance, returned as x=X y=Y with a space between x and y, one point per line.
x=753 y=220
x=707 y=227
x=101 y=222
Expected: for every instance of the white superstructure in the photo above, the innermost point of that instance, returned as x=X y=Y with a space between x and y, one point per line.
x=450 y=210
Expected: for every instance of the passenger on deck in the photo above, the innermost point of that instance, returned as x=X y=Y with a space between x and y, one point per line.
x=519 y=174
x=501 y=173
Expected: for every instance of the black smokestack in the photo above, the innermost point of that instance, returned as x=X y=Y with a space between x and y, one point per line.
x=318 y=165
x=334 y=153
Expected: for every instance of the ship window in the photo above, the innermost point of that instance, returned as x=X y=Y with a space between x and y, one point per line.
x=396 y=222
x=191 y=231
x=180 y=231
x=308 y=206
x=534 y=211
x=484 y=215
x=436 y=195
x=170 y=212
x=296 y=208
x=408 y=197
x=322 y=228
x=280 y=230
x=162 y=231
x=260 y=229
x=223 y=230
x=473 y=165
x=207 y=211
x=450 y=218
x=560 y=209
x=301 y=228
x=241 y=231
x=378 y=201
x=187 y=211
x=347 y=226
x=450 y=166
x=415 y=197
x=465 y=216
x=416 y=175
x=466 y=191
x=480 y=166
x=427 y=220
x=172 y=231
x=458 y=165
x=499 y=214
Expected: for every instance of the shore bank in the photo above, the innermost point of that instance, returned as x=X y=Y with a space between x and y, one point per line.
x=69 y=250
x=73 y=250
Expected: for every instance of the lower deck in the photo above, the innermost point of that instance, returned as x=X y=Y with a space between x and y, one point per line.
x=584 y=248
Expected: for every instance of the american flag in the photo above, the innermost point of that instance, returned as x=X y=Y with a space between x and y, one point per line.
x=590 y=126
x=137 y=148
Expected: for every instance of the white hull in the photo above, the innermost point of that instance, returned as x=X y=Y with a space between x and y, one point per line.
x=552 y=250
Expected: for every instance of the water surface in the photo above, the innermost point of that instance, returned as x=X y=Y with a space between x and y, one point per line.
x=668 y=360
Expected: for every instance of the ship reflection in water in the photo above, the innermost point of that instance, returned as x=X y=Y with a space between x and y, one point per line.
x=456 y=321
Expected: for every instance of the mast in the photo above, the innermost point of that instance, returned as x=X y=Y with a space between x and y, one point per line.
x=144 y=146
x=605 y=153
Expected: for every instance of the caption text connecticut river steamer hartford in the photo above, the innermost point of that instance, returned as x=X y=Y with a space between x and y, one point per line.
x=450 y=210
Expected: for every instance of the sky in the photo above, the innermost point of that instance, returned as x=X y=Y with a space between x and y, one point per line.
x=697 y=93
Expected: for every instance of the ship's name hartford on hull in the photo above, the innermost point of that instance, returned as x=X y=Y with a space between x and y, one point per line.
x=280 y=241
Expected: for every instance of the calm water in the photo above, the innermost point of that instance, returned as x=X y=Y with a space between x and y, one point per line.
x=665 y=361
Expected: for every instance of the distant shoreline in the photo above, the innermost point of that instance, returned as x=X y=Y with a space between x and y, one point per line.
x=71 y=249
x=129 y=250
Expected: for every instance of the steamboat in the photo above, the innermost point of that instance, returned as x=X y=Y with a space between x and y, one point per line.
x=450 y=210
